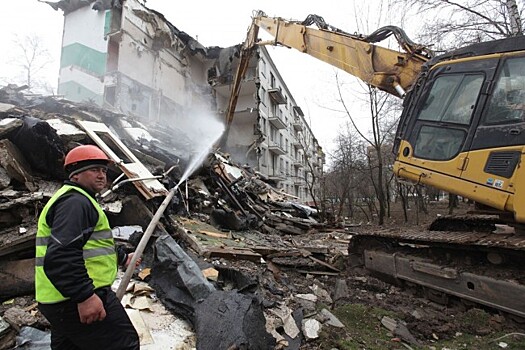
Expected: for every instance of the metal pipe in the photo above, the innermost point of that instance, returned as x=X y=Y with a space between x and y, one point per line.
x=142 y=244
x=399 y=89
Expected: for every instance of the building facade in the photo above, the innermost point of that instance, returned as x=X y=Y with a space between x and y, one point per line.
x=122 y=55
x=270 y=133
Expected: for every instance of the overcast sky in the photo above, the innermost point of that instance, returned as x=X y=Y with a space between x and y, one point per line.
x=221 y=23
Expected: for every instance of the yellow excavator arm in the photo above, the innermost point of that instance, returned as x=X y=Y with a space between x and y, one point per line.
x=389 y=70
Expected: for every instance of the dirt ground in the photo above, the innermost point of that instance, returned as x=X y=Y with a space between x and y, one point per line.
x=458 y=325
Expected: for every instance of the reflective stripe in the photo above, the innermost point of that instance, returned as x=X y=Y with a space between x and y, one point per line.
x=91 y=253
x=42 y=240
x=101 y=235
x=89 y=229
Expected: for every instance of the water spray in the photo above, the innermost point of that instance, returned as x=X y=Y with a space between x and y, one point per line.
x=192 y=166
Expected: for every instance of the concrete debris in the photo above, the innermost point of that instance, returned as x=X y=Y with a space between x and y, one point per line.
x=18 y=317
x=321 y=293
x=124 y=232
x=340 y=290
x=308 y=302
x=219 y=257
x=17 y=277
x=290 y=326
x=330 y=319
x=399 y=329
x=311 y=328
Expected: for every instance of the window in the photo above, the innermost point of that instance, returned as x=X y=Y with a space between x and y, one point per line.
x=263 y=68
x=452 y=99
x=448 y=108
x=264 y=157
x=264 y=123
x=438 y=143
x=507 y=103
x=263 y=96
x=275 y=110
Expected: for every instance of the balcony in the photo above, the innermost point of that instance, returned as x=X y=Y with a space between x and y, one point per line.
x=297 y=124
x=297 y=163
x=277 y=122
x=277 y=176
x=298 y=111
x=276 y=148
x=277 y=96
x=297 y=144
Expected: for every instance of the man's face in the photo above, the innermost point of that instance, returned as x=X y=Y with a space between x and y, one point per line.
x=93 y=179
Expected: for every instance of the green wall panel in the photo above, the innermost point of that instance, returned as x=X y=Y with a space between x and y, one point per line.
x=107 y=22
x=78 y=93
x=85 y=57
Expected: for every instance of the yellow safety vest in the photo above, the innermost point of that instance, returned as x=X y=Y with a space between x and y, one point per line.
x=99 y=252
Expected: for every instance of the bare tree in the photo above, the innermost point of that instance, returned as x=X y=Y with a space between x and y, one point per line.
x=457 y=23
x=345 y=175
x=32 y=57
x=379 y=104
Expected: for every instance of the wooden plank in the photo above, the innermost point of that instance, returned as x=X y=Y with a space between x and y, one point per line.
x=190 y=240
x=19 y=244
x=18 y=278
x=324 y=264
x=264 y=251
x=213 y=234
x=318 y=272
x=232 y=254
x=289 y=229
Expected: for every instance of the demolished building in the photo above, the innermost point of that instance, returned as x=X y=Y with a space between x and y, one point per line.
x=137 y=87
x=133 y=60
x=226 y=217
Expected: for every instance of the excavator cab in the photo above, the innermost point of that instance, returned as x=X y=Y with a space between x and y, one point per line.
x=462 y=127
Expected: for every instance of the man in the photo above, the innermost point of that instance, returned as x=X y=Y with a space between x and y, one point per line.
x=76 y=262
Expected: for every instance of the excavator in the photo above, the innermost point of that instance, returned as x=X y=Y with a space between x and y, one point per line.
x=462 y=130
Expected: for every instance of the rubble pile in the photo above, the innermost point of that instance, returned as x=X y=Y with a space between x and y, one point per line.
x=228 y=220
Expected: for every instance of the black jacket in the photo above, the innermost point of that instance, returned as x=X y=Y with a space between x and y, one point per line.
x=72 y=219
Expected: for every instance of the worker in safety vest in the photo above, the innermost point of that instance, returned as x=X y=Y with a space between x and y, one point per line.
x=76 y=262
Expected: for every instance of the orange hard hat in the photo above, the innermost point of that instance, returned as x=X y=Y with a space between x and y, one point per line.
x=85 y=153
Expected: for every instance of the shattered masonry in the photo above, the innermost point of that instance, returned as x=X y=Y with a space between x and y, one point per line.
x=231 y=222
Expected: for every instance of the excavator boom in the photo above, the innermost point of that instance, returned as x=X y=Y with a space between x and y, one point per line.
x=389 y=70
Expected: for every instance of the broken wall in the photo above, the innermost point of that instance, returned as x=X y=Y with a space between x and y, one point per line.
x=84 y=55
x=134 y=60
x=160 y=77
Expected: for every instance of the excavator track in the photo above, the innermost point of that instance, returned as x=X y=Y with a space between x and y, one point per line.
x=481 y=268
